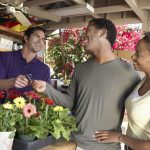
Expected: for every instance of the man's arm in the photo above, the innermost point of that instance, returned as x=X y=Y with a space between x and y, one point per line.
x=6 y=84
x=19 y=82
x=63 y=99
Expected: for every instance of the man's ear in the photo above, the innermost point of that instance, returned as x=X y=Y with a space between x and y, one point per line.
x=25 y=38
x=102 y=33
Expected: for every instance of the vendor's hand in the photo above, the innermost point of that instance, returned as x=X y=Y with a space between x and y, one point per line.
x=107 y=136
x=39 y=86
x=20 y=82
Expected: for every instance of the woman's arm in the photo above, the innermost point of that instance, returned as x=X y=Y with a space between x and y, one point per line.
x=111 y=136
x=135 y=144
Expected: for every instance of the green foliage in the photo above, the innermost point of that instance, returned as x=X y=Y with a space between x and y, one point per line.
x=8 y=119
x=71 y=51
x=63 y=124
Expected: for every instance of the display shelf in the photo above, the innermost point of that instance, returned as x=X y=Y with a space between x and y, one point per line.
x=10 y=32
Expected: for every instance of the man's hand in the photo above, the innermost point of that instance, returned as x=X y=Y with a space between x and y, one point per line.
x=39 y=86
x=107 y=136
x=21 y=81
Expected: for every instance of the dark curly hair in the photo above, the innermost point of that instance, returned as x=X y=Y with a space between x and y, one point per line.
x=102 y=23
x=31 y=30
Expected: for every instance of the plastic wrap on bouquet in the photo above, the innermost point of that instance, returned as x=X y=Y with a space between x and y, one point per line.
x=6 y=141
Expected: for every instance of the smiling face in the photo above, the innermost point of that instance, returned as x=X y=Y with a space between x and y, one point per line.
x=94 y=38
x=36 y=41
x=141 y=59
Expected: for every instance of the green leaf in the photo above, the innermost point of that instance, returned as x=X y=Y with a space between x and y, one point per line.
x=56 y=134
x=12 y=135
x=66 y=134
x=63 y=114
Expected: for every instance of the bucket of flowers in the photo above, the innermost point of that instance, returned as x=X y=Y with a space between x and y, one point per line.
x=9 y=116
x=35 y=116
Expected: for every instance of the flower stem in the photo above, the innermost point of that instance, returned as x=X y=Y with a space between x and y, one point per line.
x=46 y=112
x=27 y=122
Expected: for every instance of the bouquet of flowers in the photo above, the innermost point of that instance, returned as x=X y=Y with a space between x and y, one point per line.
x=34 y=114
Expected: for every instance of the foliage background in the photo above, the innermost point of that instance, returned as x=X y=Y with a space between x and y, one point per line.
x=73 y=50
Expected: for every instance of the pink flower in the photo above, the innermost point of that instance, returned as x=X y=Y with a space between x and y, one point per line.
x=116 y=44
x=127 y=38
x=29 y=110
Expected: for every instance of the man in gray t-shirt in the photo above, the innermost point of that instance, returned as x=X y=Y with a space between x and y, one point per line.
x=98 y=88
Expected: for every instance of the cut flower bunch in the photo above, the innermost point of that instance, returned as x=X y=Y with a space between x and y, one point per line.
x=34 y=114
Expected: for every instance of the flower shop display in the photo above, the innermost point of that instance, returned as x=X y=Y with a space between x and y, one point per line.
x=34 y=116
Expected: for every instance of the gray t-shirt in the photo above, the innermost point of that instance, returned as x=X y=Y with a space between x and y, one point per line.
x=96 y=95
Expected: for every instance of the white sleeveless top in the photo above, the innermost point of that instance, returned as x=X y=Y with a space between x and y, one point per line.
x=138 y=112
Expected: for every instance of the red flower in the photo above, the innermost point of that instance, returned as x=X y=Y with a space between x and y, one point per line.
x=2 y=94
x=116 y=44
x=127 y=38
x=12 y=94
x=49 y=101
x=68 y=68
x=31 y=95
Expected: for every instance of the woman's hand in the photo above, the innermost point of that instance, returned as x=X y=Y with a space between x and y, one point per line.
x=39 y=86
x=107 y=136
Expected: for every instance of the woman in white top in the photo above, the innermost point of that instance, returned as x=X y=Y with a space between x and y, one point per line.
x=137 y=105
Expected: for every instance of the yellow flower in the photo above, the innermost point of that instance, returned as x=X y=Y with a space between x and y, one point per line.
x=58 y=108
x=8 y=106
x=58 y=121
x=19 y=102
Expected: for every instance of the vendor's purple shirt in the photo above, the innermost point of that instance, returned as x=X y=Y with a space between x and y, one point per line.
x=13 y=64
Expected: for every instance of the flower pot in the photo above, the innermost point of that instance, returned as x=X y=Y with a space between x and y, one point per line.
x=6 y=140
x=25 y=137
x=19 y=144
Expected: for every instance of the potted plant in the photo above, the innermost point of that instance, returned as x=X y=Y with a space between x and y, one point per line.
x=9 y=115
x=63 y=55
x=42 y=117
x=33 y=115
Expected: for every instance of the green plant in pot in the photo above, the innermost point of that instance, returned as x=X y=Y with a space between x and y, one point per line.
x=9 y=116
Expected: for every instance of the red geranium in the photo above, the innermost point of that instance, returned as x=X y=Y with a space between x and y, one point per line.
x=12 y=94
x=49 y=101
x=32 y=95
x=2 y=94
